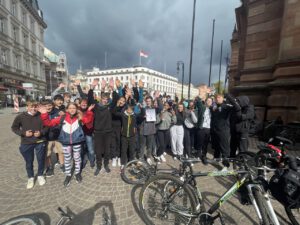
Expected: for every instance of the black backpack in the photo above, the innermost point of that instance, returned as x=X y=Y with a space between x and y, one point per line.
x=285 y=187
x=55 y=131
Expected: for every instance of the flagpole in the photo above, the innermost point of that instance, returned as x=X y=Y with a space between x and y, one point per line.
x=140 y=58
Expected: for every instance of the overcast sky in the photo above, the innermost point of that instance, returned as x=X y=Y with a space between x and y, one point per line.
x=85 y=30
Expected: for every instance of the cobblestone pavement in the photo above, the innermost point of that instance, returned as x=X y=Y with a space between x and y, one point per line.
x=96 y=198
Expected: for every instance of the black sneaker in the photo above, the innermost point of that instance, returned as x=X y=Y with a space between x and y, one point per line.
x=204 y=160
x=49 y=172
x=62 y=168
x=67 y=181
x=97 y=171
x=107 y=170
x=92 y=164
x=78 y=178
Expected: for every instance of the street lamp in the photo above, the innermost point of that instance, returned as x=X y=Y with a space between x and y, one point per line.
x=181 y=63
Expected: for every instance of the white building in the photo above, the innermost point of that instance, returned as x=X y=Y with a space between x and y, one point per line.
x=21 y=48
x=153 y=80
x=193 y=92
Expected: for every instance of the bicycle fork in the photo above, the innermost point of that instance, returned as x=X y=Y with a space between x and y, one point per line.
x=268 y=201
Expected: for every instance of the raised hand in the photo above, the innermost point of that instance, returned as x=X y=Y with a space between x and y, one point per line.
x=132 y=81
x=91 y=107
x=103 y=84
x=61 y=85
x=61 y=113
x=95 y=83
x=77 y=82
x=118 y=83
x=111 y=83
x=141 y=84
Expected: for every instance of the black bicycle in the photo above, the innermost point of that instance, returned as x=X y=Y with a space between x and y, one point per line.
x=167 y=199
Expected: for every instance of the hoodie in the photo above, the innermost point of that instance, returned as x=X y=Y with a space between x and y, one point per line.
x=25 y=122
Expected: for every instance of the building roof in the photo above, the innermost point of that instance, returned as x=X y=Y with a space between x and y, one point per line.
x=51 y=56
x=33 y=8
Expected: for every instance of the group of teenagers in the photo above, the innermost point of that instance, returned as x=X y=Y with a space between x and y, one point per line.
x=124 y=123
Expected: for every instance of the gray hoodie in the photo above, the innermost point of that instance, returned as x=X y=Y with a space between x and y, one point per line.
x=164 y=120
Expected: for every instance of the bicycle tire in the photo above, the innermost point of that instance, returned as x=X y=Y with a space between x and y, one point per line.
x=186 y=195
x=136 y=172
x=259 y=198
x=291 y=214
x=30 y=220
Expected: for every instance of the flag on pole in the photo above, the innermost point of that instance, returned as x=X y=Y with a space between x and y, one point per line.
x=143 y=54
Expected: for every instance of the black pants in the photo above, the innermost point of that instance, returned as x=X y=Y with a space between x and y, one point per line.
x=163 y=140
x=193 y=137
x=116 y=142
x=222 y=147
x=128 y=149
x=203 y=137
x=187 y=142
x=238 y=141
x=102 y=148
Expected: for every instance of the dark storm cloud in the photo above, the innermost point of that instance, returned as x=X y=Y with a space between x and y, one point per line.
x=85 y=30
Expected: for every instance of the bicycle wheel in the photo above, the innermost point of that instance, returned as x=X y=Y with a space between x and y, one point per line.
x=263 y=208
x=23 y=220
x=136 y=172
x=294 y=215
x=164 y=200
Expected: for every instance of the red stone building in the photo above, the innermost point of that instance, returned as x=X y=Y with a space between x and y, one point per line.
x=265 y=60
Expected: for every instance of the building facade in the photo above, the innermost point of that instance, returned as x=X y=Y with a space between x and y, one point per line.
x=265 y=60
x=153 y=80
x=55 y=70
x=193 y=93
x=21 y=49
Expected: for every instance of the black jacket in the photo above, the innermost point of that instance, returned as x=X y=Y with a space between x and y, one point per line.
x=240 y=120
x=128 y=122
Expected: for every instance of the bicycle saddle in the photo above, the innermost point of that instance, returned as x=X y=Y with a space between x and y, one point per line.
x=190 y=160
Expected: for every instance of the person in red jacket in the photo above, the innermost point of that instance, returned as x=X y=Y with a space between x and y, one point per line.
x=71 y=136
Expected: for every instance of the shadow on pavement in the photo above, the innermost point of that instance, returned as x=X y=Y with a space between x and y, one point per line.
x=39 y=218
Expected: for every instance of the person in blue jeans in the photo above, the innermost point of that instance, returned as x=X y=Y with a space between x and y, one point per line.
x=29 y=126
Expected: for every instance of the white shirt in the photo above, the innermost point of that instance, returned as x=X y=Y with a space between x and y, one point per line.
x=206 y=118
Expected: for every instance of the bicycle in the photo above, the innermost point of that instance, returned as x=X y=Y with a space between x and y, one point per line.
x=284 y=185
x=178 y=199
x=139 y=171
x=33 y=220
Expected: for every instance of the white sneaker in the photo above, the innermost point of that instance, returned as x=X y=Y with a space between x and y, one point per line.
x=114 y=162
x=225 y=169
x=175 y=158
x=165 y=153
x=162 y=158
x=119 y=162
x=149 y=161
x=41 y=180
x=30 y=183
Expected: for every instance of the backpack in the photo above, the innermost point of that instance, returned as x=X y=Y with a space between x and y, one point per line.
x=54 y=132
x=285 y=187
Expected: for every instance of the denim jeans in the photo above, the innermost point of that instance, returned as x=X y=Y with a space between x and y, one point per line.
x=90 y=147
x=27 y=152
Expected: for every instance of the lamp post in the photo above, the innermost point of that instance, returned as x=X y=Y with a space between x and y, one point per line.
x=192 y=45
x=211 y=52
x=181 y=63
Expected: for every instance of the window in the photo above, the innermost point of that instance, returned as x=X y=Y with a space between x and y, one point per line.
x=126 y=77
x=15 y=31
x=4 y=56
x=42 y=34
x=14 y=8
x=27 y=65
x=24 y=17
x=2 y=25
x=121 y=78
x=32 y=25
x=33 y=46
x=34 y=69
x=25 y=40
x=17 y=61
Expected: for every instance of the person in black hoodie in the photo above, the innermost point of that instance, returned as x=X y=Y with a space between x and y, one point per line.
x=240 y=125
x=102 y=129
x=128 y=134
x=29 y=126
x=220 y=126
